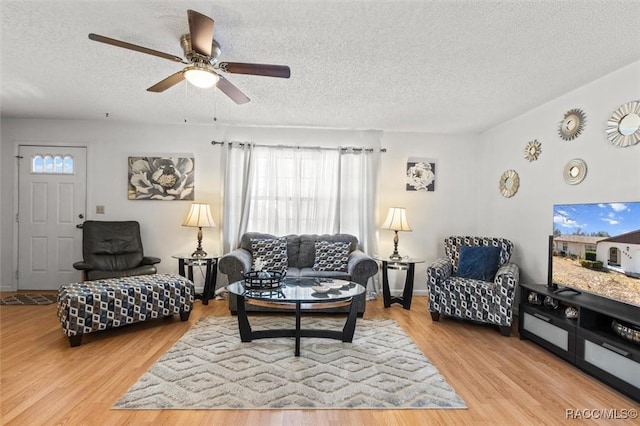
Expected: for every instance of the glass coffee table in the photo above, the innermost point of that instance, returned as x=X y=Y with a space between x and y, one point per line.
x=298 y=294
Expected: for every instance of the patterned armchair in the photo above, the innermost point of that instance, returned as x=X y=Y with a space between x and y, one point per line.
x=468 y=298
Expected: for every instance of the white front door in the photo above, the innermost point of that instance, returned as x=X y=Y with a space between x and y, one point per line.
x=52 y=202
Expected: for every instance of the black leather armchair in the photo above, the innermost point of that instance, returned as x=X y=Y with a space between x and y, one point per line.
x=113 y=249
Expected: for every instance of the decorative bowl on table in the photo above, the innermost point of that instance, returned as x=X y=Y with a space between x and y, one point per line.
x=627 y=331
x=263 y=279
x=321 y=289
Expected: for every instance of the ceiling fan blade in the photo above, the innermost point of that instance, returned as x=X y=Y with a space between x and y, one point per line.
x=201 y=30
x=232 y=91
x=281 y=71
x=168 y=82
x=130 y=46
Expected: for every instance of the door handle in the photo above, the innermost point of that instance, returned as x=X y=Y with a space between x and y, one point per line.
x=79 y=226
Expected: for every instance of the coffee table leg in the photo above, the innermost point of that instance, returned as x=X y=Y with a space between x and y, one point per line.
x=243 y=321
x=298 y=333
x=350 y=326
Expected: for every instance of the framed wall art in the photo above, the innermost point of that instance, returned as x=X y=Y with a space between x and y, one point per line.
x=421 y=174
x=161 y=178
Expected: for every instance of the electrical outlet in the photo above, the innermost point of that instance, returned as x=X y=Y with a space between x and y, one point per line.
x=99 y=209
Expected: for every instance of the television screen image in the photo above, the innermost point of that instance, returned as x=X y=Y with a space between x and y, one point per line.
x=596 y=248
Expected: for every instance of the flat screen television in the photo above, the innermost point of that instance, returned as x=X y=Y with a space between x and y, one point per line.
x=595 y=248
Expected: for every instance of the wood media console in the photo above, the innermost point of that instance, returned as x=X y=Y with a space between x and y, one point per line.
x=588 y=341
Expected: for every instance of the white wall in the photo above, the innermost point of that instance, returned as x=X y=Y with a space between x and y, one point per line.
x=613 y=173
x=449 y=210
x=466 y=199
x=109 y=143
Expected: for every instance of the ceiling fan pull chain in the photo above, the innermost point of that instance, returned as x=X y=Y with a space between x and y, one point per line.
x=184 y=104
x=215 y=104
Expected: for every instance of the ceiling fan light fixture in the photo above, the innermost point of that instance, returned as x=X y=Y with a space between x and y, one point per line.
x=201 y=76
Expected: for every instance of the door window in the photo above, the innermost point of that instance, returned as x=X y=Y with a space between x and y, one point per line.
x=52 y=164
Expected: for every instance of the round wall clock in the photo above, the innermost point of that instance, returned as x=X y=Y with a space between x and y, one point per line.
x=575 y=171
x=509 y=183
x=572 y=124
x=533 y=150
x=623 y=128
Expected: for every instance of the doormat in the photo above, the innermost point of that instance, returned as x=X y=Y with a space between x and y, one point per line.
x=210 y=368
x=29 y=299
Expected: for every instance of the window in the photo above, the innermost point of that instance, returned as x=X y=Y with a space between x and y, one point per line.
x=294 y=191
x=52 y=164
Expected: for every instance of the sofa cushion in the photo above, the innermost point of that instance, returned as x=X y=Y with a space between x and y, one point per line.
x=331 y=256
x=269 y=254
x=478 y=263
x=307 y=255
x=293 y=244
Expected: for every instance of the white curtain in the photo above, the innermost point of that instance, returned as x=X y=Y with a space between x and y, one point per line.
x=358 y=197
x=358 y=200
x=236 y=194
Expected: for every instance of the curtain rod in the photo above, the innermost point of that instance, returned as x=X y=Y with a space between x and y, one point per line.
x=341 y=149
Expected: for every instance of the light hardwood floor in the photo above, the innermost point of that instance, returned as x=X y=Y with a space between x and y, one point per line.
x=503 y=380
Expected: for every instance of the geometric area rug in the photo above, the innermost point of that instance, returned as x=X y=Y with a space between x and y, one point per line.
x=29 y=299
x=210 y=368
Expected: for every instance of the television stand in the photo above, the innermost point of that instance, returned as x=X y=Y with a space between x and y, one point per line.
x=566 y=289
x=588 y=342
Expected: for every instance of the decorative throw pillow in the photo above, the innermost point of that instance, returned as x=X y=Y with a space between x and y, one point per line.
x=269 y=254
x=331 y=256
x=478 y=263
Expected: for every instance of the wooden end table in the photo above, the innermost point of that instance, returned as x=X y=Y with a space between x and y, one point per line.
x=408 y=265
x=185 y=268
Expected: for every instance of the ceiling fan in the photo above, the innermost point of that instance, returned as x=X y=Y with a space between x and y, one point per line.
x=202 y=67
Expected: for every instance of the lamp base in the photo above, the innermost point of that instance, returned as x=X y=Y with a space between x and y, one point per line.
x=395 y=256
x=199 y=253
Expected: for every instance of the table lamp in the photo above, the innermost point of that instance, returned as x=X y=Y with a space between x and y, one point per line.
x=199 y=216
x=396 y=221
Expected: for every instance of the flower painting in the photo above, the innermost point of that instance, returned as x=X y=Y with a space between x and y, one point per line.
x=421 y=174
x=161 y=178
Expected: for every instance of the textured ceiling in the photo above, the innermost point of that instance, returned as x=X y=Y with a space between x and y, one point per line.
x=433 y=66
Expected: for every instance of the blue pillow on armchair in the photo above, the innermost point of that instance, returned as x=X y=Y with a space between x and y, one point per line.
x=478 y=263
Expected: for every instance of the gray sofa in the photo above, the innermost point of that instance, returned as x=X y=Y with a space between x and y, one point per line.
x=300 y=260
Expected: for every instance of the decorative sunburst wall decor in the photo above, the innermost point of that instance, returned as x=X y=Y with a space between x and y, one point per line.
x=623 y=128
x=533 y=150
x=509 y=183
x=575 y=171
x=572 y=124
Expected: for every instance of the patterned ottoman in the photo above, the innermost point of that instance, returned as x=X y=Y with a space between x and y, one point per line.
x=98 y=305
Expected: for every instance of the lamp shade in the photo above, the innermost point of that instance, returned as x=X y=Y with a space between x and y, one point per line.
x=396 y=220
x=199 y=216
